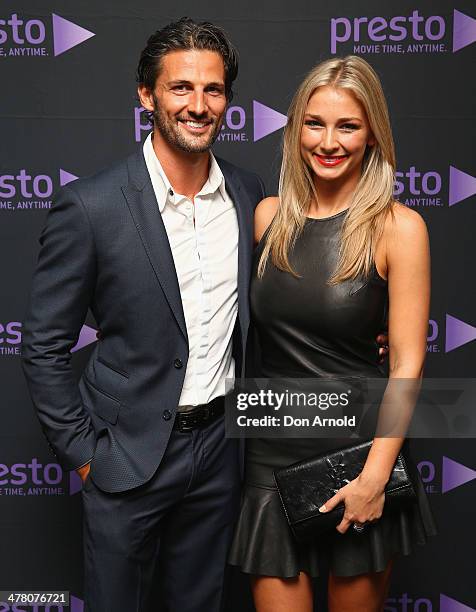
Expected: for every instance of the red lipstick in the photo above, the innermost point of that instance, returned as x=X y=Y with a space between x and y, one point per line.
x=329 y=161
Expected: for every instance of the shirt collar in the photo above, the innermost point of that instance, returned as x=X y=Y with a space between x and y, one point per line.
x=161 y=184
x=215 y=181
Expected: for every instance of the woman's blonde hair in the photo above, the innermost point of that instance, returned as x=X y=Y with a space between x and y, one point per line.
x=372 y=200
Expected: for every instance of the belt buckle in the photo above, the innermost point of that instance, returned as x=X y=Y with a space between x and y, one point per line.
x=205 y=413
x=182 y=425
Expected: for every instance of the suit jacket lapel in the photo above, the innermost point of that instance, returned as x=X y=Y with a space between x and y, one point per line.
x=140 y=198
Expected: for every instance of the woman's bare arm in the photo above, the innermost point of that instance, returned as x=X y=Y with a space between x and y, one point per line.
x=264 y=214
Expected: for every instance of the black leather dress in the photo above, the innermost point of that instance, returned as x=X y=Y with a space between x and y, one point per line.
x=307 y=328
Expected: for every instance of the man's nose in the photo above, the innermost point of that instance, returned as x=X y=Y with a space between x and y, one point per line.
x=197 y=104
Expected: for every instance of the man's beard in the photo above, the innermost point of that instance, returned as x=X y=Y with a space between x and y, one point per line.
x=172 y=134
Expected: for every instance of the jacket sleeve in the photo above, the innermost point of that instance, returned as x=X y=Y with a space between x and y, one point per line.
x=62 y=289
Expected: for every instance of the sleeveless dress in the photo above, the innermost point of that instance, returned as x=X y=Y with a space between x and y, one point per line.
x=307 y=328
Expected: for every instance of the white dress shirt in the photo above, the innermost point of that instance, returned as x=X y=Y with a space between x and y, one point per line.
x=203 y=237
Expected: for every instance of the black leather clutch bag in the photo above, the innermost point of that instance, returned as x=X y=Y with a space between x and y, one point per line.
x=305 y=486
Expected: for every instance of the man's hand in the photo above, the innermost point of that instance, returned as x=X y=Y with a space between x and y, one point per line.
x=382 y=341
x=84 y=471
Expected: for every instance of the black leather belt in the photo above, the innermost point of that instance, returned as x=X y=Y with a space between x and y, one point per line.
x=200 y=415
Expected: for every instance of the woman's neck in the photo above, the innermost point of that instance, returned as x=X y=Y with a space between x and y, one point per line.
x=332 y=197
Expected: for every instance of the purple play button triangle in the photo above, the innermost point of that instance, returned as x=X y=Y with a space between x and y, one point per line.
x=447 y=604
x=77 y=604
x=75 y=482
x=67 y=34
x=462 y=185
x=464 y=30
x=87 y=336
x=455 y=474
x=66 y=177
x=266 y=120
x=458 y=333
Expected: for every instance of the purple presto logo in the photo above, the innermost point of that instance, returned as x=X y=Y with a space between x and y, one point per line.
x=87 y=336
x=25 y=190
x=432 y=344
x=455 y=474
x=458 y=333
x=266 y=120
x=449 y=476
x=428 y=188
x=11 y=337
x=21 y=37
x=462 y=186
x=464 y=30
x=405 y=603
x=411 y=33
x=448 y=604
x=77 y=604
x=35 y=479
x=235 y=128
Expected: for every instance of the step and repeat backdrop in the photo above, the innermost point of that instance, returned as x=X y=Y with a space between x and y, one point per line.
x=68 y=108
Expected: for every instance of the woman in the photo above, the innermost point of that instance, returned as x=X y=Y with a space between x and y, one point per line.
x=334 y=251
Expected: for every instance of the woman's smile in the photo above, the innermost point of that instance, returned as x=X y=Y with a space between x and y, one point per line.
x=330 y=161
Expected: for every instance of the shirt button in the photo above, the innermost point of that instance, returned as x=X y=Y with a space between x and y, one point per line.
x=178 y=364
x=171 y=192
x=167 y=415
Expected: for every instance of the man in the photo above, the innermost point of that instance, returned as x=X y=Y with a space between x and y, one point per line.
x=159 y=248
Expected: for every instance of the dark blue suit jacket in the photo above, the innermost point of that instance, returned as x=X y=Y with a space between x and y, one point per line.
x=104 y=247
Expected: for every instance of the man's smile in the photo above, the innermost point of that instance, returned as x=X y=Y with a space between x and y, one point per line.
x=194 y=126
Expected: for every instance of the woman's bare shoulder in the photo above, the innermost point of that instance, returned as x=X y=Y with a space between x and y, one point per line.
x=264 y=214
x=404 y=222
x=405 y=231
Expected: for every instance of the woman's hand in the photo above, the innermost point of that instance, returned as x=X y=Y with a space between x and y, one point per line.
x=364 y=499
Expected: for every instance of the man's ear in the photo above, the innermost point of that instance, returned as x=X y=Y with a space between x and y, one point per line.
x=145 y=97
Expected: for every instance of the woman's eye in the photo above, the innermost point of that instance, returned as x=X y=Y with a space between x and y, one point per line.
x=349 y=127
x=313 y=123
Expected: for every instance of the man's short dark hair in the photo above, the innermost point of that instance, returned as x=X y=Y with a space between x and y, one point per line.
x=185 y=35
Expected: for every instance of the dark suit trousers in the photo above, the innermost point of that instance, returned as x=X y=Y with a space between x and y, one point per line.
x=176 y=527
